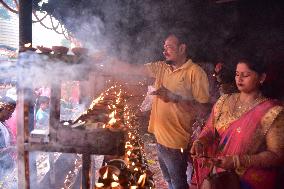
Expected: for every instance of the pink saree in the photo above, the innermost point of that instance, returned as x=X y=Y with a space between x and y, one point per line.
x=242 y=136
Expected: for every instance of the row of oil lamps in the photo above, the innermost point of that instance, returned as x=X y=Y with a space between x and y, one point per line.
x=129 y=172
x=132 y=171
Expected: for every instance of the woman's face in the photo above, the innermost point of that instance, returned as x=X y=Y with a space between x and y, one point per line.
x=247 y=80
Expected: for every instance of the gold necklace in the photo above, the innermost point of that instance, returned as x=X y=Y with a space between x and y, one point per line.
x=238 y=110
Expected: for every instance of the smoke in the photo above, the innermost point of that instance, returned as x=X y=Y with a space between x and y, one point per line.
x=36 y=70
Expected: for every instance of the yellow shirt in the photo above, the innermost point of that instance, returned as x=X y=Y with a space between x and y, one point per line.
x=170 y=124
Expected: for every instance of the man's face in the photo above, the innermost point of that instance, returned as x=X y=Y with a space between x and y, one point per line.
x=171 y=49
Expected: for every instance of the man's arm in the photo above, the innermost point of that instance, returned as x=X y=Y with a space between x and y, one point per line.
x=115 y=66
x=200 y=109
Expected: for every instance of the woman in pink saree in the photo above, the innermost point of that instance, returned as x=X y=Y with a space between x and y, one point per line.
x=244 y=133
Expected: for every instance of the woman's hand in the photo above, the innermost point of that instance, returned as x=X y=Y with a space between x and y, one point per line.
x=197 y=149
x=225 y=162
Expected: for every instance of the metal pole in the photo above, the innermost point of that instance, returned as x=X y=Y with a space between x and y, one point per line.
x=25 y=23
x=25 y=107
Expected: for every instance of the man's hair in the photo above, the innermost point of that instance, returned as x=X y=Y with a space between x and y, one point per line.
x=182 y=37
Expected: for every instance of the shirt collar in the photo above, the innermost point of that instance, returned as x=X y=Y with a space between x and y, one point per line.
x=187 y=64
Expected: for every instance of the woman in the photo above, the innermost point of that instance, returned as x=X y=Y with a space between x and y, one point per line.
x=245 y=133
x=7 y=107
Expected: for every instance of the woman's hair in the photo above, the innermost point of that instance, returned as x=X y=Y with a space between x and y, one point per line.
x=254 y=64
x=258 y=64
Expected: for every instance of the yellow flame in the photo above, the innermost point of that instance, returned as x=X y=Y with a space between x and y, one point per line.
x=128 y=152
x=114 y=184
x=181 y=150
x=99 y=184
x=112 y=121
x=128 y=146
x=105 y=174
x=115 y=177
x=141 y=180
x=112 y=114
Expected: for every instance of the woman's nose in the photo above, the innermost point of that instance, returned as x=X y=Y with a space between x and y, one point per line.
x=239 y=78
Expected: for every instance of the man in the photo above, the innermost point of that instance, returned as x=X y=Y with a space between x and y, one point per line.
x=182 y=86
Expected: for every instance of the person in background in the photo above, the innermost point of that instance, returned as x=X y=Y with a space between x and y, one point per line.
x=225 y=79
x=7 y=107
x=42 y=114
x=12 y=122
x=244 y=133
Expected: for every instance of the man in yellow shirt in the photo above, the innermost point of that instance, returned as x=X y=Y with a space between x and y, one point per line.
x=182 y=88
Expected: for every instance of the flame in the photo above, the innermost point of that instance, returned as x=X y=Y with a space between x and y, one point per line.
x=94 y=102
x=141 y=180
x=181 y=150
x=112 y=121
x=112 y=114
x=128 y=144
x=99 y=184
x=105 y=174
x=128 y=152
x=114 y=184
x=115 y=177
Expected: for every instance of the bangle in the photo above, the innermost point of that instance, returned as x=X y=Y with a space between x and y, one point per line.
x=198 y=141
x=238 y=161
x=248 y=161
x=234 y=161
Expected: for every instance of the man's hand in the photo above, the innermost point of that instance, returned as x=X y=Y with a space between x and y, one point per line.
x=166 y=95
